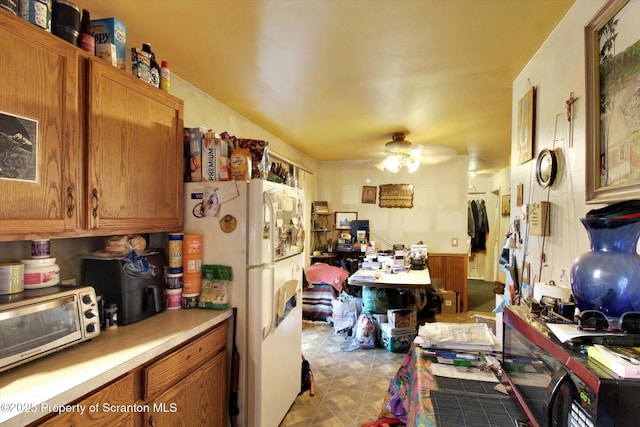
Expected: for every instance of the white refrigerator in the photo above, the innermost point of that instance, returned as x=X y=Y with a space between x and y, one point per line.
x=257 y=228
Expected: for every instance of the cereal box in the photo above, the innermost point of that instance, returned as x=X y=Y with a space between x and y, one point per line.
x=110 y=30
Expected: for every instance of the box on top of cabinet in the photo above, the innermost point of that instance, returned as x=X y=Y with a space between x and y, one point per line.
x=193 y=139
x=402 y=318
x=110 y=30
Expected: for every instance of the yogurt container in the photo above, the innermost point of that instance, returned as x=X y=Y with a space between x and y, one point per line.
x=40 y=273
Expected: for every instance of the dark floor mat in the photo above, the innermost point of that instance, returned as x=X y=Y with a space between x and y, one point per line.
x=469 y=386
x=464 y=409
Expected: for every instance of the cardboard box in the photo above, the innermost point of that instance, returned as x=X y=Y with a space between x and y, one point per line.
x=107 y=51
x=402 y=318
x=396 y=339
x=110 y=30
x=449 y=301
x=215 y=158
x=193 y=154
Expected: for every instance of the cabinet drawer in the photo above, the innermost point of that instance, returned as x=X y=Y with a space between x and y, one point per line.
x=169 y=370
x=116 y=396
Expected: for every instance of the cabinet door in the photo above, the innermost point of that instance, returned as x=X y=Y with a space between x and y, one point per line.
x=199 y=400
x=39 y=170
x=134 y=157
x=102 y=408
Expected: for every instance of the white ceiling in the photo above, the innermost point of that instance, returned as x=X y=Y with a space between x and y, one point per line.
x=335 y=78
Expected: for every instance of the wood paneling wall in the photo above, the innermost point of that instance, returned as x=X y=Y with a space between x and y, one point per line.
x=452 y=269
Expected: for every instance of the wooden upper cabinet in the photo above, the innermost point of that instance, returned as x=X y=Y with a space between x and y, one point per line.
x=101 y=151
x=134 y=153
x=39 y=172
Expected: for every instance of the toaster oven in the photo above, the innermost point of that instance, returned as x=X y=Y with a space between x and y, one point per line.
x=37 y=322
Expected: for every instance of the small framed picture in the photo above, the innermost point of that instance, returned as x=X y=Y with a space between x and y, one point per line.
x=519 y=195
x=369 y=194
x=343 y=220
x=506 y=205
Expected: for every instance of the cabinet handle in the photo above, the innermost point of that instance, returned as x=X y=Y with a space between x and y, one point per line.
x=151 y=423
x=69 y=202
x=96 y=203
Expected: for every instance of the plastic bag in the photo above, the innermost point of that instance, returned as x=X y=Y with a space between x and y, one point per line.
x=364 y=335
x=344 y=313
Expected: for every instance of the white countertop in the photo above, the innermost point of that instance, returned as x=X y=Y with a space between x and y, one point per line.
x=382 y=279
x=28 y=392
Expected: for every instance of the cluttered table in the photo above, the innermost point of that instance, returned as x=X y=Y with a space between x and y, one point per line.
x=449 y=387
x=412 y=279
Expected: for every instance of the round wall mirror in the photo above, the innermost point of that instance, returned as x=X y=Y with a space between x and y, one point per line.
x=546 y=168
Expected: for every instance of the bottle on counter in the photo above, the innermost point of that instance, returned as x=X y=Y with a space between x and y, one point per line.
x=87 y=41
x=111 y=316
x=165 y=77
x=154 y=69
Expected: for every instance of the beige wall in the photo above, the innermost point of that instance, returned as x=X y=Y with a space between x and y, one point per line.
x=440 y=202
x=202 y=110
x=556 y=70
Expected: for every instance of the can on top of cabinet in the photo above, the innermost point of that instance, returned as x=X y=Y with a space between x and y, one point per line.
x=10 y=5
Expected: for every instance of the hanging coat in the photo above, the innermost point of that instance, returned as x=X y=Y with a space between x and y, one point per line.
x=478 y=242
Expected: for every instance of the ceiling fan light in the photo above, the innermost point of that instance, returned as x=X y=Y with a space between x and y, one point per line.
x=413 y=164
x=392 y=163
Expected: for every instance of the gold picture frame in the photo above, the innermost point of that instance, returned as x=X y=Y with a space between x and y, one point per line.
x=396 y=196
x=506 y=205
x=369 y=194
x=519 y=195
x=526 y=125
x=612 y=161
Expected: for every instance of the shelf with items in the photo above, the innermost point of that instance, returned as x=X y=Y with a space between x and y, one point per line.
x=322 y=232
x=322 y=242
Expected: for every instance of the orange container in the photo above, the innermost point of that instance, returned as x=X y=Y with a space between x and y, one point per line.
x=192 y=283
x=192 y=244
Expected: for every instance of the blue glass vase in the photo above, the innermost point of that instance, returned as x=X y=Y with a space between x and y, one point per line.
x=607 y=278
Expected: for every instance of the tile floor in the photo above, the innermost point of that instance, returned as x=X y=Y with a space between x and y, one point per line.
x=350 y=386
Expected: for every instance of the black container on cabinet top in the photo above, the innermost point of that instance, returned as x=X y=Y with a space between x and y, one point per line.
x=65 y=21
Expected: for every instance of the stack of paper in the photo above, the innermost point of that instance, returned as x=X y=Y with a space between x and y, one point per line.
x=624 y=361
x=460 y=336
x=364 y=276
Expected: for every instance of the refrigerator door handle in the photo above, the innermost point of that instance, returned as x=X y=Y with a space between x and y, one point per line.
x=263 y=265
x=270 y=327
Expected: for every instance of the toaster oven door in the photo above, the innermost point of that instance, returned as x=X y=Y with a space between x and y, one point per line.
x=30 y=331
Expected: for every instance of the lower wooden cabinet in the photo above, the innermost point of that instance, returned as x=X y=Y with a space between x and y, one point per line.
x=119 y=392
x=198 y=400
x=186 y=386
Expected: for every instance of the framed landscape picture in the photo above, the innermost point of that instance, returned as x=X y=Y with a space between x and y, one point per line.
x=343 y=220
x=612 y=46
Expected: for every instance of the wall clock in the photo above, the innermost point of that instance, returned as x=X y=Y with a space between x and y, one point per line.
x=546 y=168
x=228 y=223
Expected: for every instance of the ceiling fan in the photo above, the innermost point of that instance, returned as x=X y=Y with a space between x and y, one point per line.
x=401 y=153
